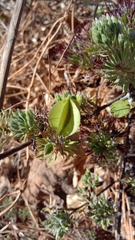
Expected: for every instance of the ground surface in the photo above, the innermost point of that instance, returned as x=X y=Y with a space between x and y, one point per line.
x=36 y=74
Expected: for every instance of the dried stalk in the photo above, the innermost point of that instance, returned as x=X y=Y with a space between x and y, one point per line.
x=9 y=46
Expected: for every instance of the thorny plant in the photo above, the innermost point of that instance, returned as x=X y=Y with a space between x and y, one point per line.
x=73 y=123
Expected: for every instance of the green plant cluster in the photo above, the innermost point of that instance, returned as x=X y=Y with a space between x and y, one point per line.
x=118 y=41
x=60 y=132
x=22 y=125
x=100 y=209
x=131 y=183
x=58 y=223
x=110 y=48
x=14 y=212
x=108 y=32
x=78 y=97
x=102 y=145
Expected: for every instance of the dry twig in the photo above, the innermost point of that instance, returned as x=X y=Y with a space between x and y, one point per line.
x=8 y=50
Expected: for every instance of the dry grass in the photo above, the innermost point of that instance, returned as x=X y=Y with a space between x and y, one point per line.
x=35 y=74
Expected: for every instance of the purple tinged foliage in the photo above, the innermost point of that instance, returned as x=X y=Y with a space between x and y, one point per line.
x=79 y=51
x=82 y=50
x=125 y=9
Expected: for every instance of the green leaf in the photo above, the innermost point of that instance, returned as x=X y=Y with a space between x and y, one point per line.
x=74 y=120
x=21 y=115
x=52 y=161
x=64 y=117
x=59 y=115
x=48 y=148
x=30 y=118
x=120 y=108
x=18 y=135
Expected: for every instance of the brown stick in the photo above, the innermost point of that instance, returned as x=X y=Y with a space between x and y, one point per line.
x=15 y=149
x=9 y=46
